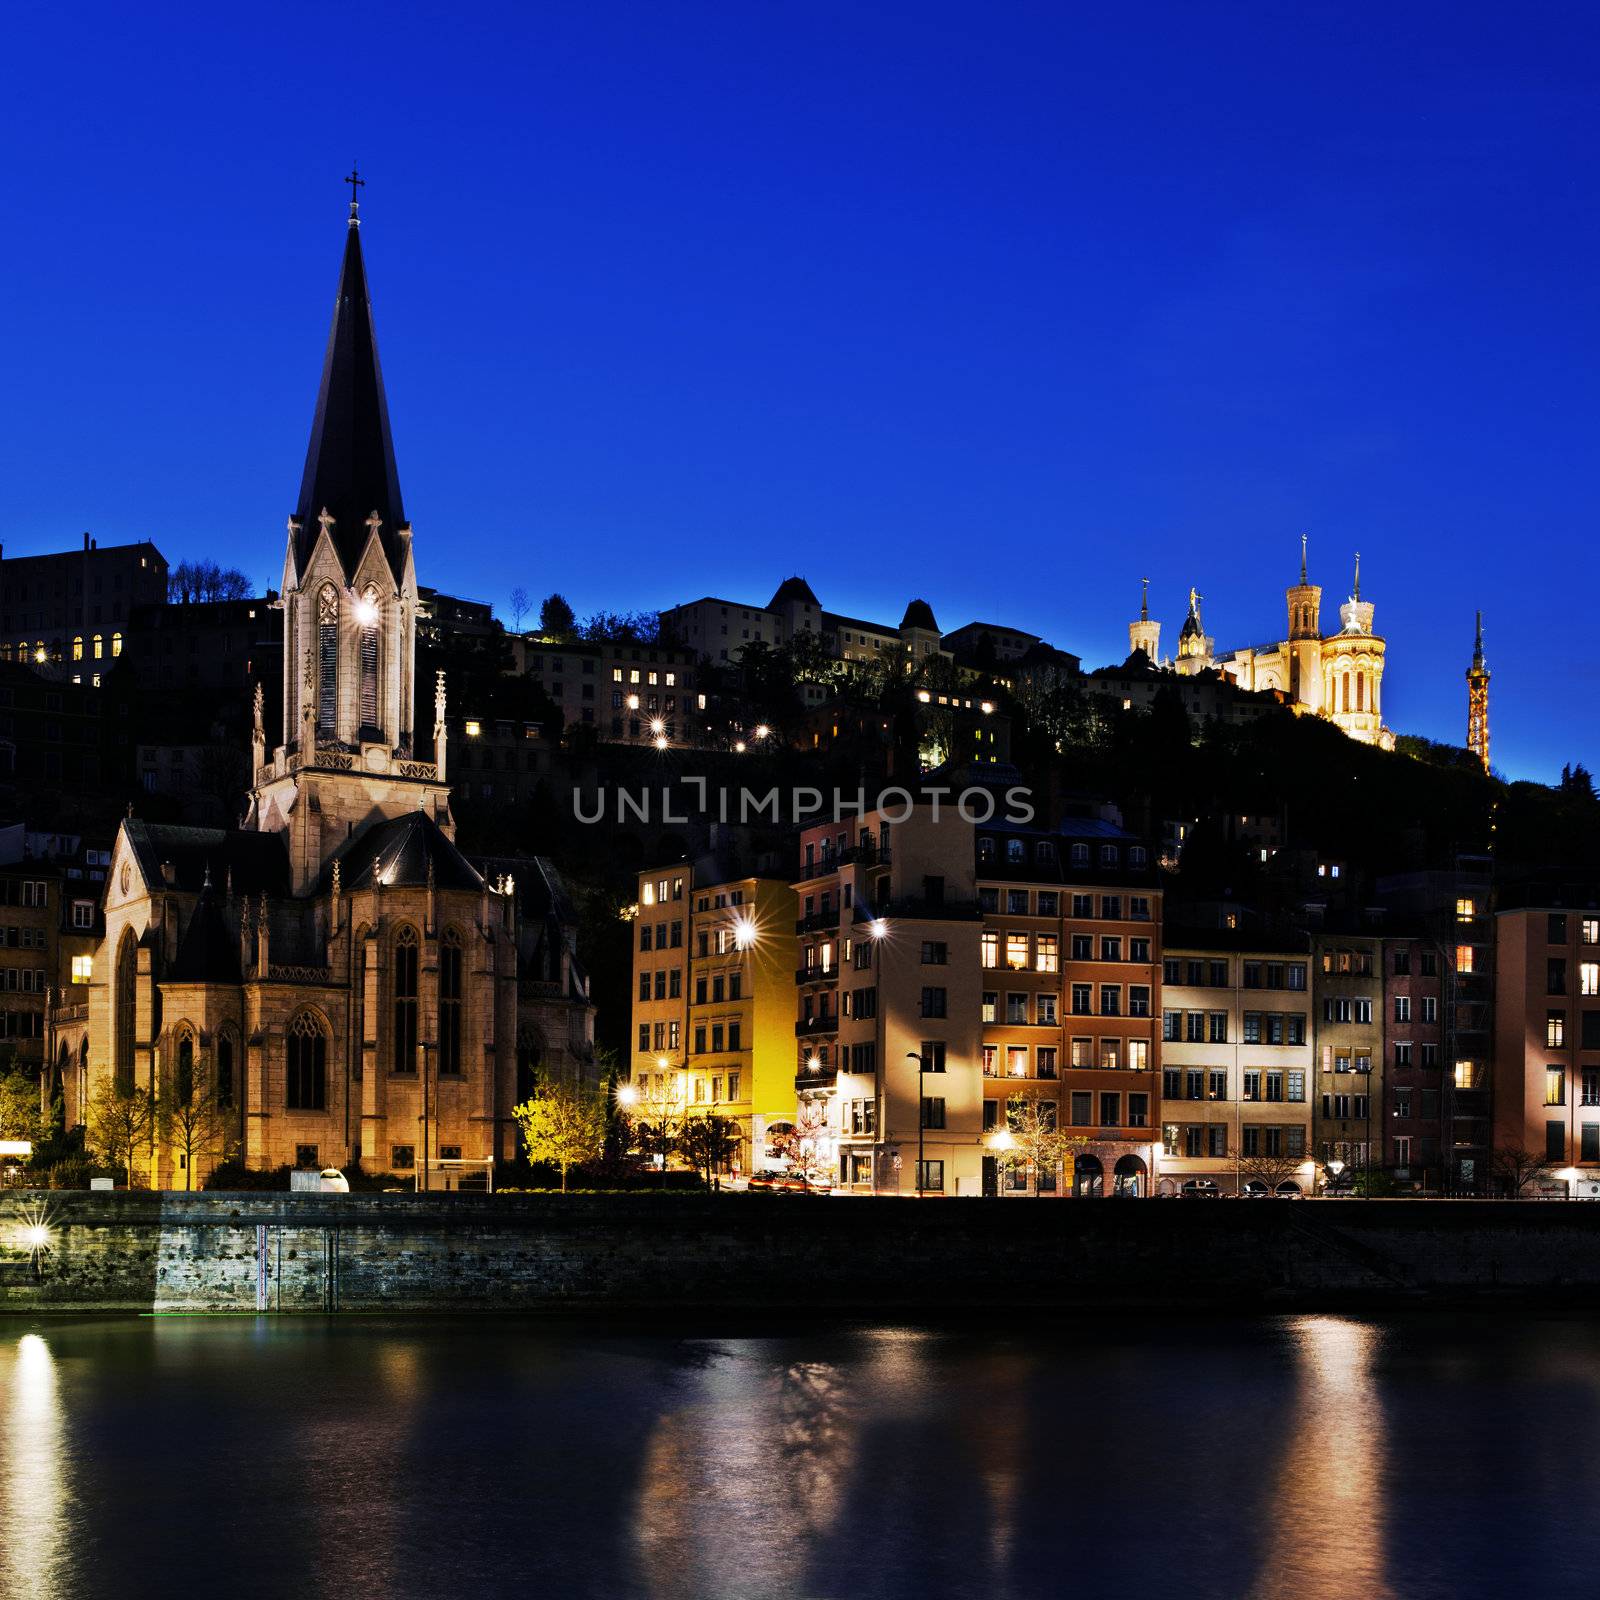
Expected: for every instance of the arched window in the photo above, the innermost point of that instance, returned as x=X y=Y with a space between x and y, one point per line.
x=406 y=963
x=368 y=614
x=127 y=1004
x=327 y=660
x=116 y=644
x=184 y=1077
x=306 y=1066
x=1347 y=691
x=1361 y=691
x=99 y=646
x=450 y=954
x=225 y=1071
x=77 y=647
x=83 y=1080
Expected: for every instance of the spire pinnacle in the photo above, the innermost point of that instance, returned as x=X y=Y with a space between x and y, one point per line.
x=356 y=181
x=1144 y=601
x=1357 y=594
x=1302 y=558
x=1477 y=649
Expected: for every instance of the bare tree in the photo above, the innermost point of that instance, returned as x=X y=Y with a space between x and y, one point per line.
x=1517 y=1168
x=520 y=606
x=656 y=1120
x=121 y=1124
x=194 y=1125
x=190 y=582
x=708 y=1143
x=802 y=1143
x=1270 y=1170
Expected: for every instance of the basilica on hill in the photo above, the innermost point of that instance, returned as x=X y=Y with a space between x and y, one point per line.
x=1338 y=676
x=333 y=976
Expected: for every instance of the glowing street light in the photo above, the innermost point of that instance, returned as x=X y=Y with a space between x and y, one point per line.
x=813 y=1064
x=877 y=929
x=633 y=702
x=627 y=1094
x=366 y=612
x=657 y=725
x=744 y=933
x=661 y=741
x=739 y=747
x=762 y=731
x=1003 y=1139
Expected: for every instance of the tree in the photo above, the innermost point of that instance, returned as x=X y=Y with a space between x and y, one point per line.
x=564 y=1123
x=635 y=627
x=1037 y=1143
x=556 y=618
x=20 y=1117
x=120 y=1124
x=520 y=606
x=708 y=1143
x=656 y=1120
x=199 y=581
x=802 y=1142
x=194 y=1125
x=1517 y=1168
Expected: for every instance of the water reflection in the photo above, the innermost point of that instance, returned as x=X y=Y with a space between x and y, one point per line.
x=1325 y=1511
x=34 y=1507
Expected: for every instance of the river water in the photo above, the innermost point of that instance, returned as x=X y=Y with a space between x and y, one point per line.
x=1315 y=1456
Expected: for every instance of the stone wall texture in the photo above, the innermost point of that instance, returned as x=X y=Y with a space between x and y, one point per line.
x=247 y=1253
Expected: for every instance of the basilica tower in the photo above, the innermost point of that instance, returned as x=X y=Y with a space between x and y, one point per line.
x=1305 y=639
x=349 y=751
x=1145 y=634
x=1478 y=701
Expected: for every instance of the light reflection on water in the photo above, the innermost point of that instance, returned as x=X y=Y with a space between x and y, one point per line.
x=1399 y=1459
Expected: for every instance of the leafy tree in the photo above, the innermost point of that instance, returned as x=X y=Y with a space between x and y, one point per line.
x=556 y=618
x=564 y=1123
x=1037 y=1142
x=637 y=627
x=656 y=1121
x=708 y=1143
x=20 y=1117
x=198 y=581
x=194 y=1125
x=120 y=1124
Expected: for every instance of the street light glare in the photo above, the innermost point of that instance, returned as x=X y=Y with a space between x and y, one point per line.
x=744 y=933
x=627 y=1094
x=878 y=928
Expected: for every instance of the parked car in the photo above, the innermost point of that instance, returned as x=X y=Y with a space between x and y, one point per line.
x=786 y=1183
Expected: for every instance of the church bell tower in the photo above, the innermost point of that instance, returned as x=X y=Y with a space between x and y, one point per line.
x=348 y=754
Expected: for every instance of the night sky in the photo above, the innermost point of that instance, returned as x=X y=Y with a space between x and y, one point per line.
x=1003 y=305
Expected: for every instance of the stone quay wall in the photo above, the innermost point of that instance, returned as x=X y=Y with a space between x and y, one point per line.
x=587 y=1254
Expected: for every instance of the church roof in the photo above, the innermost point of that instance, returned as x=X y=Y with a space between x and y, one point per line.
x=919 y=614
x=350 y=470
x=397 y=853
x=249 y=863
x=208 y=951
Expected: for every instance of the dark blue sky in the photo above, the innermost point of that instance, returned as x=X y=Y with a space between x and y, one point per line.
x=1006 y=305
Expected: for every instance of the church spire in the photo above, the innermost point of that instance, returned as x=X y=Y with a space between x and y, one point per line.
x=1302 y=560
x=350 y=470
x=1478 y=701
x=1144 y=600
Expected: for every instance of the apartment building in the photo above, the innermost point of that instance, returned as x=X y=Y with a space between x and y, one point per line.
x=889 y=1000
x=72 y=609
x=714 y=964
x=627 y=692
x=1070 y=951
x=1547 y=1036
x=1347 y=995
x=1415 y=1143
x=1236 y=1063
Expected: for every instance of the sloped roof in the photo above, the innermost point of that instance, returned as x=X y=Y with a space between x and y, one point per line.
x=919 y=614
x=252 y=863
x=208 y=951
x=793 y=589
x=350 y=470
x=396 y=854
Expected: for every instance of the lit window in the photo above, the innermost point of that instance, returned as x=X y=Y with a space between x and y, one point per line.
x=1465 y=910
x=474 y=729
x=1588 y=977
x=77 y=647
x=82 y=968
x=99 y=648
x=1463 y=958
x=1466 y=1074
x=116 y=644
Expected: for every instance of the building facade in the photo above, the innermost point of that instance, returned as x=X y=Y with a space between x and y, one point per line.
x=1348 y=996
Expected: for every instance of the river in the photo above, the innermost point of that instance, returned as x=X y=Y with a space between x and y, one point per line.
x=1316 y=1456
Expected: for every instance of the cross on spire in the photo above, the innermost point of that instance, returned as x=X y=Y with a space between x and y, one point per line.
x=356 y=181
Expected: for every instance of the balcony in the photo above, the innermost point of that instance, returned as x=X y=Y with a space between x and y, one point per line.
x=816 y=1080
x=864 y=855
x=819 y=922
x=816 y=1027
x=914 y=909
x=816 y=975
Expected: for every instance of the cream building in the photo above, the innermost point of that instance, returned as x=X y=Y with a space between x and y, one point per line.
x=334 y=975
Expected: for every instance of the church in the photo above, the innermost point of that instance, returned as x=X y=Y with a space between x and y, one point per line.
x=1338 y=675
x=339 y=981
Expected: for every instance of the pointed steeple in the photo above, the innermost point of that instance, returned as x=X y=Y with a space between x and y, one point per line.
x=350 y=470
x=1477 y=649
x=1302 y=558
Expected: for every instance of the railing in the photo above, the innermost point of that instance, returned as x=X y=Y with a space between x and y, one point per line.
x=296 y=973
x=428 y=770
x=815 y=1078
x=78 y=1011
x=865 y=855
x=806 y=1027
x=818 y=921
x=935 y=910
x=816 y=974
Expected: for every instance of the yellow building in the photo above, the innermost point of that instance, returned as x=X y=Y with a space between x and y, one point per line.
x=1338 y=676
x=714 y=965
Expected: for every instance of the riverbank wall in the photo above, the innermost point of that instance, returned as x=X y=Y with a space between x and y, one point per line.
x=594 y=1254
